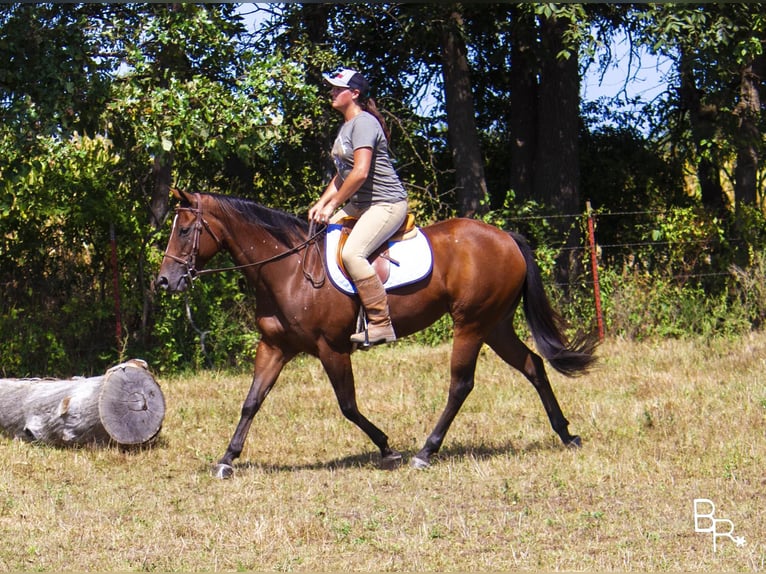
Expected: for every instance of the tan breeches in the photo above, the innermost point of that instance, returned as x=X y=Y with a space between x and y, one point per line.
x=374 y=226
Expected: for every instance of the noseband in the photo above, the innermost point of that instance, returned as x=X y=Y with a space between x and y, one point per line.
x=200 y=223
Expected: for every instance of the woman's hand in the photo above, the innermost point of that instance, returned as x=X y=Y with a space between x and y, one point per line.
x=321 y=212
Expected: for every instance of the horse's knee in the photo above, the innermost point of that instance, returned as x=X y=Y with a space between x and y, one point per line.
x=462 y=389
x=249 y=409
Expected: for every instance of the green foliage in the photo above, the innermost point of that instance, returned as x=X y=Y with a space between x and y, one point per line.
x=179 y=89
x=95 y=98
x=211 y=326
x=646 y=307
x=53 y=79
x=533 y=220
x=690 y=235
x=57 y=210
x=749 y=290
x=438 y=333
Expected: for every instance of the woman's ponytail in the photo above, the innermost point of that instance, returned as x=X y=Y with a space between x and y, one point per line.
x=369 y=106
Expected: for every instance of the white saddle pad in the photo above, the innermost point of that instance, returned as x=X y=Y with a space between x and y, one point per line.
x=413 y=257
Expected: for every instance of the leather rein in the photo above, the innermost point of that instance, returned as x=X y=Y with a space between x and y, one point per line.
x=201 y=223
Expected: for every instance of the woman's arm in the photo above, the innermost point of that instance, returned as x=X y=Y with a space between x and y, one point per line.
x=333 y=197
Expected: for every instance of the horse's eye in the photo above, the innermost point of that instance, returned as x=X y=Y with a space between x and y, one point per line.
x=184 y=231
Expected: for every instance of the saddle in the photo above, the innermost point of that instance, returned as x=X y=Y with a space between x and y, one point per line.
x=380 y=259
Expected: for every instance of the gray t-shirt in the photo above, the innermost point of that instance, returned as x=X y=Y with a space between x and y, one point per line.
x=382 y=183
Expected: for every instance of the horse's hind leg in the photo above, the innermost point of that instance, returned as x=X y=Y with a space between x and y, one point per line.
x=465 y=351
x=504 y=341
x=338 y=368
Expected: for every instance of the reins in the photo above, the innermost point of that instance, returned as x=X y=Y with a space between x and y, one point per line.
x=201 y=223
x=309 y=240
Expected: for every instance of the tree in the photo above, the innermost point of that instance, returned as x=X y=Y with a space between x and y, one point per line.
x=523 y=117
x=57 y=188
x=748 y=111
x=170 y=80
x=557 y=174
x=463 y=136
x=703 y=119
x=52 y=80
x=719 y=50
x=104 y=106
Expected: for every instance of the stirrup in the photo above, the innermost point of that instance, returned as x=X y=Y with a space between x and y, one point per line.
x=363 y=337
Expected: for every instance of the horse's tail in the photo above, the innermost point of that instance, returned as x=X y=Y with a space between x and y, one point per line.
x=570 y=358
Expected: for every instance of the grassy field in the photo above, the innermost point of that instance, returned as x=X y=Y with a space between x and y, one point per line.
x=662 y=424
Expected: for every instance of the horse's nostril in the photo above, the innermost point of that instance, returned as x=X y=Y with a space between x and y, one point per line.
x=162 y=282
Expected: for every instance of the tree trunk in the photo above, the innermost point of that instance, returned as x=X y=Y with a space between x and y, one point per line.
x=169 y=58
x=315 y=18
x=702 y=120
x=124 y=406
x=159 y=205
x=557 y=166
x=523 y=105
x=463 y=136
x=163 y=180
x=748 y=137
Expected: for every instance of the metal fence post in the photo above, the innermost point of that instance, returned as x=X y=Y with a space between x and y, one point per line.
x=594 y=267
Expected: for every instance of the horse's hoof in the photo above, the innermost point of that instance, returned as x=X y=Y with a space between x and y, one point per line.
x=223 y=471
x=391 y=461
x=419 y=463
x=575 y=442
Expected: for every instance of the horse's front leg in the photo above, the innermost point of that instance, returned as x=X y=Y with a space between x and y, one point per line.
x=269 y=361
x=338 y=368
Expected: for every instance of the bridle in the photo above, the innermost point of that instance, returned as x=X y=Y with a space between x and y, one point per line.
x=201 y=223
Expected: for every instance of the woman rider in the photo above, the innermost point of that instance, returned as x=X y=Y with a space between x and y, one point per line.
x=368 y=185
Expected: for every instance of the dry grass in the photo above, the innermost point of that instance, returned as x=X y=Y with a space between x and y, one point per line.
x=662 y=424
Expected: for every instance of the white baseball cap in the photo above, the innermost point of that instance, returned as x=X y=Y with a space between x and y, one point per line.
x=346 y=78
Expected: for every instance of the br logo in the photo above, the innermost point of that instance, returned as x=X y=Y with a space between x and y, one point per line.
x=705 y=521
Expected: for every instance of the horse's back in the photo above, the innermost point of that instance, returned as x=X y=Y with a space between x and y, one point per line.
x=475 y=245
x=476 y=263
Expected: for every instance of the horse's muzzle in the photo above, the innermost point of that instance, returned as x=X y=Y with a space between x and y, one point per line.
x=175 y=285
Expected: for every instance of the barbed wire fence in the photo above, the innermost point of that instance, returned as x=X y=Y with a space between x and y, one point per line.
x=597 y=250
x=601 y=254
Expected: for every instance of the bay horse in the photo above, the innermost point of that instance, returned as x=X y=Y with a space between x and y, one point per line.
x=480 y=275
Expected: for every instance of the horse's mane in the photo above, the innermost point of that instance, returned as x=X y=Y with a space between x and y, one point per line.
x=286 y=227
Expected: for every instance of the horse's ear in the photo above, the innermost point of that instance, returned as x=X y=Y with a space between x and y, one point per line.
x=182 y=196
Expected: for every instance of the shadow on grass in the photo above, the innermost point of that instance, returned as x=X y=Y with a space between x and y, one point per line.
x=372 y=459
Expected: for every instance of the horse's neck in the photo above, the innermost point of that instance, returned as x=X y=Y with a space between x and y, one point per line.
x=250 y=243
x=264 y=258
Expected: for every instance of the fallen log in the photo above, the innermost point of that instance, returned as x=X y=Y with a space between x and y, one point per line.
x=124 y=406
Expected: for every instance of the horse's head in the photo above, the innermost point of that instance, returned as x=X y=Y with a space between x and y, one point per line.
x=192 y=243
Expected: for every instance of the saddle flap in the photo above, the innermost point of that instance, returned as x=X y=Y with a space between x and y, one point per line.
x=411 y=259
x=380 y=259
